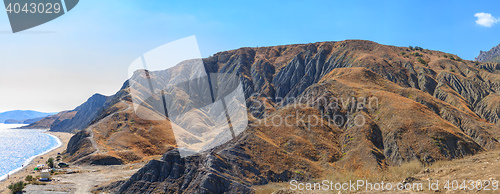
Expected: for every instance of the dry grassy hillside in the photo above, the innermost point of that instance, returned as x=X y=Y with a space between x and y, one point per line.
x=422 y=106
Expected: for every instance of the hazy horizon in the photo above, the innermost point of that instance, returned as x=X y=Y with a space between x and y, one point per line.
x=60 y=64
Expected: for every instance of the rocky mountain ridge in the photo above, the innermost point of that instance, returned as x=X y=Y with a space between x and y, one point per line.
x=493 y=55
x=74 y=120
x=429 y=106
x=432 y=106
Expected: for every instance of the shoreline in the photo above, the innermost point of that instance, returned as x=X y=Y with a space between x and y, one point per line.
x=19 y=174
x=29 y=160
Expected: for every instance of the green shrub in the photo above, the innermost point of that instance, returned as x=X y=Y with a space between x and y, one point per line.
x=411 y=48
x=417 y=54
x=50 y=162
x=420 y=60
x=17 y=187
x=29 y=178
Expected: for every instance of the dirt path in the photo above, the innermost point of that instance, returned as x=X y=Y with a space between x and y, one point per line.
x=86 y=179
x=80 y=179
x=91 y=138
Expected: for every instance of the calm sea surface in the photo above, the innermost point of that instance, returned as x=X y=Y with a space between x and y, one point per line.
x=19 y=146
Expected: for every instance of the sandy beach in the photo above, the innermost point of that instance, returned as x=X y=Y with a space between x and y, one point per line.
x=82 y=179
x=27 y=170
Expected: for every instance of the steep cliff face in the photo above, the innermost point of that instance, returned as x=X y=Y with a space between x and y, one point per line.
x=76 y=119
x=492 y=55
x=85 y=114
x=420 y=105
x=80 y=145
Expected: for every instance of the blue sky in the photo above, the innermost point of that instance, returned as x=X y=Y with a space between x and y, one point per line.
x=88 y=50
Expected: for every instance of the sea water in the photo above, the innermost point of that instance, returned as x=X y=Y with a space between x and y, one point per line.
x=19 y=146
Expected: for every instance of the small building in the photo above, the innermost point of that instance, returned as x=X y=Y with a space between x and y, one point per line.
x=45 y=175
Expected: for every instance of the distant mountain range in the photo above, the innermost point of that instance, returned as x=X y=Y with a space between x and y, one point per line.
x=22 y=116
x=492 y=55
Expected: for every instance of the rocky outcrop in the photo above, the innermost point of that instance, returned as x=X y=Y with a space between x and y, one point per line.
x=80 y=146
x=489 y=108
x=196 y=174
x=492 y=55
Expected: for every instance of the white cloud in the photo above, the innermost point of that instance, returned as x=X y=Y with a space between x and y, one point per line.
x=486 y=19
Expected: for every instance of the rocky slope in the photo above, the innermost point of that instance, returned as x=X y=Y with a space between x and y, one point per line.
x=492 y=55
x=76 y=119
x=85 y=114
x=416 y=104
x=116 y=135
x=108 y=131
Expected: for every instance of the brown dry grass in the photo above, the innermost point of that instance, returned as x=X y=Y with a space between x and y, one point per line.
x=391 y=174
x=122 y=134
